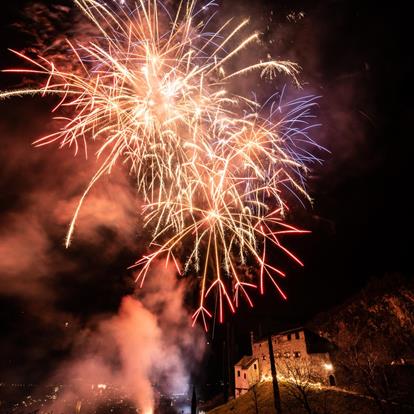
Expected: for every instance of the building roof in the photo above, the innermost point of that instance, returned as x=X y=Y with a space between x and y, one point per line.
x=246 y=362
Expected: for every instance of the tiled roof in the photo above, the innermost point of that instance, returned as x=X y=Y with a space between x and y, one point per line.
x=246 y=361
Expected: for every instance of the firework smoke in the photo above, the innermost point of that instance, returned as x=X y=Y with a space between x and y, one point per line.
x=139 y=347
x=150 y=332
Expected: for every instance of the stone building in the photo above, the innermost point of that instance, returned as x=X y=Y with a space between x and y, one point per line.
x=246 y=374
x=297 y=349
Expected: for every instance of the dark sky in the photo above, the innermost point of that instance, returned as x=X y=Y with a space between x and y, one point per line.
x=357 y=57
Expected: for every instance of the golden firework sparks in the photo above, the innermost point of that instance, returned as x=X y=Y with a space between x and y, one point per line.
x=211 y=166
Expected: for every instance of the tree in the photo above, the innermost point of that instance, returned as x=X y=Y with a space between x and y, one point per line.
x=370 y=375
x=300 y=379
x=194 y=402
x=254 y=379
x=255 y=397
x=276 y=392
x=365 y=361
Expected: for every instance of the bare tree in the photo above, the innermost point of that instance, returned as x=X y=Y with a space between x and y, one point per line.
x=371 y=333
x=254 y=380
x=364 y=358
x=367 y=371
x=255 y=396
x=300 y=380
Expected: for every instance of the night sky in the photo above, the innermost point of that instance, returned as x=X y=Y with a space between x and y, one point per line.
x=357 y=57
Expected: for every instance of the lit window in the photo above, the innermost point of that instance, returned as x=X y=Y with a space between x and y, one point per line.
x=287 y=354
x=278 y=354
x=296 y=354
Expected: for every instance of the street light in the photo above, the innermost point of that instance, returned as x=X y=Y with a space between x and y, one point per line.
x=328 y=366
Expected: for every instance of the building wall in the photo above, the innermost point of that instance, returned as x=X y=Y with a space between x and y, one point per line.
x=322 y=366
x=261 y=352
x=290 y=351
x=246 y=378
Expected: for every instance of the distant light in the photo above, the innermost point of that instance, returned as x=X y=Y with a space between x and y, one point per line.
x=328 y=367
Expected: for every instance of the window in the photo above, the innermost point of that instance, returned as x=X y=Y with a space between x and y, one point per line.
x=254 y=366
x=289 y=337
x=296 y=354
x=244 y=375
x=238 y=373
x=297 y=335
x=287 y=354
x=278 y=354
x=264 y=357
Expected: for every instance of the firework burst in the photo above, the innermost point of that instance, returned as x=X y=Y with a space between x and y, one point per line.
x=213 y=167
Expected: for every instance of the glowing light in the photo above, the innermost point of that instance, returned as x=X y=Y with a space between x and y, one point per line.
x=328 y=366
x=214 y=168
x=295 y=380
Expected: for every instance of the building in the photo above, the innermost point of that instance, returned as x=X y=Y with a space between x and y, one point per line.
x=297 y=349
x=246 y=374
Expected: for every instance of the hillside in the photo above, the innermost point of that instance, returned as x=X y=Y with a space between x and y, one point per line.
x=324 y=401
x=379 y=318
x=372 y=350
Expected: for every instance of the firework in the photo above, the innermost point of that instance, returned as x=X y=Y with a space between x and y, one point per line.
x=212 y=167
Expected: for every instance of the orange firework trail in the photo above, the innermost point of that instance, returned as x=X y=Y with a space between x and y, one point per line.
x=212 y=166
